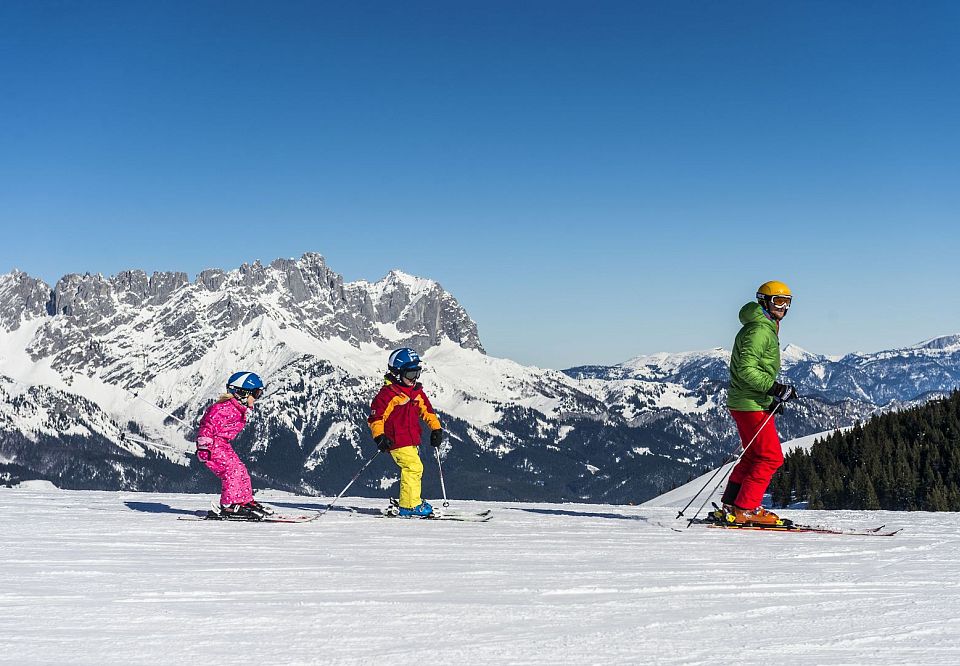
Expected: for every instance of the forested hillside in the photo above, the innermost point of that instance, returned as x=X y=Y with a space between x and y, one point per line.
x=904 y=461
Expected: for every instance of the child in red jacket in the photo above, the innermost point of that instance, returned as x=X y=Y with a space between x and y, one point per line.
x=395 y=425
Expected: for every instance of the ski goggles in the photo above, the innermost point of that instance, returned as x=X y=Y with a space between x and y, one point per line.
x=242 y=394
x=413 y=374
x=781 y=302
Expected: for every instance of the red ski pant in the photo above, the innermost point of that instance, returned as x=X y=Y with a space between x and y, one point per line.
x=761 y=459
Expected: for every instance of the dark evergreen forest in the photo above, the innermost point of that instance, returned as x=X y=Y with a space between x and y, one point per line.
x=902 y=461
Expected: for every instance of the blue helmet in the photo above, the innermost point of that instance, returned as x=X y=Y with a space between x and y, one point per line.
x=242 y=384
x=403 y=359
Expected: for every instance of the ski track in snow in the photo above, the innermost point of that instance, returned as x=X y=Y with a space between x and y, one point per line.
x=114 y=578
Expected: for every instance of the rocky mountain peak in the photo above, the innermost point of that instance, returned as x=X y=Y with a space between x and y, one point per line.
x=22 y=297
x=794 y=354
x=93 y=320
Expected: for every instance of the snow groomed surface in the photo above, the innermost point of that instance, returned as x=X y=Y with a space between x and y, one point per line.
x=115 y=578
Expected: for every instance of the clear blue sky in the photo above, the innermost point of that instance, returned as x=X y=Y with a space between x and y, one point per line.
x=592 y=180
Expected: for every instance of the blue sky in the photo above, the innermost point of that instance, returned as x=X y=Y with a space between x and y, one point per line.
x=592 y=180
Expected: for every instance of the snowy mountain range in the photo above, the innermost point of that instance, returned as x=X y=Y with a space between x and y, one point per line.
x=83 y=363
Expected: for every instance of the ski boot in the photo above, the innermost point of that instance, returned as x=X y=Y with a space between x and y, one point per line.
x=424 y=510
x=263 y=508
x=759 y=517
x=720 y=514
x=235 y=512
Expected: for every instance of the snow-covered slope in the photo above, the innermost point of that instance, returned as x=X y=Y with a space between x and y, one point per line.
x=115 y=578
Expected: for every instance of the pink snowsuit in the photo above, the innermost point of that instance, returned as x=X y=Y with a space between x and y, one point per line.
x=220 y=424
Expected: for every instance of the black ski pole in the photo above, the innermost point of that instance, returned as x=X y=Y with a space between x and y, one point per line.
x=355 y=477
x=443 y=486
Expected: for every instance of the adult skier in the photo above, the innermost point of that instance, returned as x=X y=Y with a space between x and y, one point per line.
x=394 y=422
x=220 y=424
x=754 y=397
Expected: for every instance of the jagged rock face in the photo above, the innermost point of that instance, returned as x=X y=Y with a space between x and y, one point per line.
x=21 y=297
x=100 y=326
x=421 y=311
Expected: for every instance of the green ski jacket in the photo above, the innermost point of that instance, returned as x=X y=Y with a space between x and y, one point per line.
x=754 y=362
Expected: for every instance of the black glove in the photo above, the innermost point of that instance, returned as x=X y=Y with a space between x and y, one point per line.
x=783 y=392
x=384 y=443
x=436 y=437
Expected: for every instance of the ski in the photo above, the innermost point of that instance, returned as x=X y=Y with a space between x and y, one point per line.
x=798 y=528
x=717 y=520
x=267 y=519
x=487 y=513
x=439 y=514
x=460 y=516
x=466 y=516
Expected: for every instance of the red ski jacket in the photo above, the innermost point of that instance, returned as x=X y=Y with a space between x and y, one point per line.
x=396 y=413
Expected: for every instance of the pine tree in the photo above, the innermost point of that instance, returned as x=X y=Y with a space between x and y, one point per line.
x=863 y=494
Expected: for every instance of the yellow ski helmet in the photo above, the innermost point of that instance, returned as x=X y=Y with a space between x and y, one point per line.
x=774 y=294
x=773 y=288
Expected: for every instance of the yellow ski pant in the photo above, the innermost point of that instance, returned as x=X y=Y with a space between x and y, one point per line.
x=411 y=471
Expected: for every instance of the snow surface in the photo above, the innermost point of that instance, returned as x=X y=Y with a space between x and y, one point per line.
x=114 y=578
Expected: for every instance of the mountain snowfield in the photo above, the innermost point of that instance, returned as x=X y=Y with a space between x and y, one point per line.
x=83 y=362
x=93 y=577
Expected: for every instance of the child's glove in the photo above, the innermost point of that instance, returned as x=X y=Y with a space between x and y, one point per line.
x=384 y=443
x=436 y=437
x=203 y=448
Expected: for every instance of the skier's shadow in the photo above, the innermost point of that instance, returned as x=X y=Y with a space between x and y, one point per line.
x=158 y=507
x=307 y=506
x=579 y=514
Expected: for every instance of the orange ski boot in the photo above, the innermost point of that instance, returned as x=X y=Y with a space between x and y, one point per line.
x=759 y=516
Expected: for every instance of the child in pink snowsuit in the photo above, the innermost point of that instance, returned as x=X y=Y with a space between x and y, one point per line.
x=222 y=422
